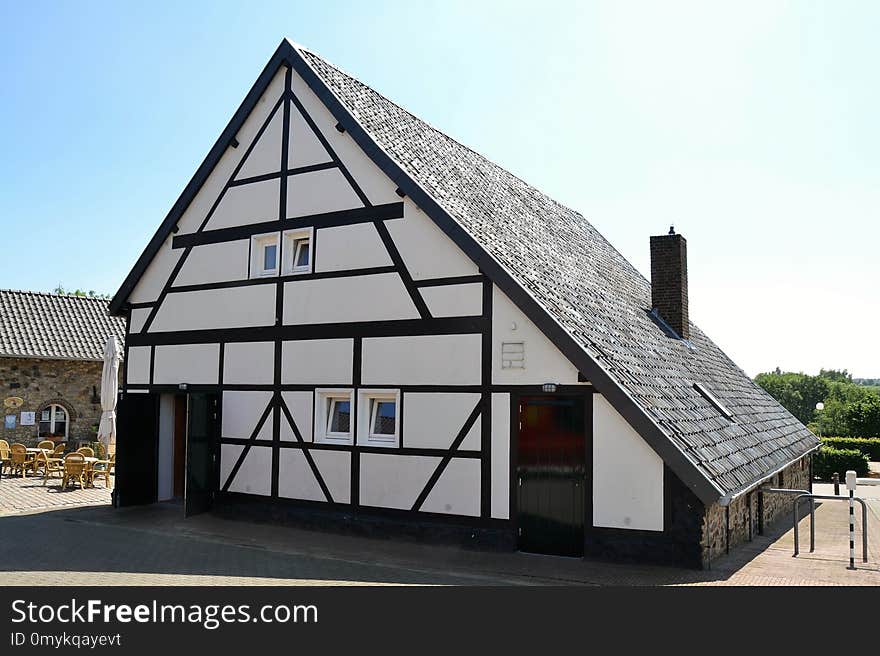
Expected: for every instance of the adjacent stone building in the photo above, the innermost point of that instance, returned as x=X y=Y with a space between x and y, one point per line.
x=51 y=353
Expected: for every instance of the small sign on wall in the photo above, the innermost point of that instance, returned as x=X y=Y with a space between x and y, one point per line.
x=10 y=422
x=28 y=418
x=13 y=402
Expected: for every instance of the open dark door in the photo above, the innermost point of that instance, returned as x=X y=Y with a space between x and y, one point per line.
x=551 y=475
x=201 y=452
x=137 y=450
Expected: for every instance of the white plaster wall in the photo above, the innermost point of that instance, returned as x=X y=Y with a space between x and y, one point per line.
x=393 y=481
x=317 y=362
x=501 y=456
x=138 y=364
x=241 y=411
x=156 y=275
x=304 y=148
x=425 y=249
x=209 y=309
x=255 y=474
x=301 y=405
x=186 y=363
x=432 y=420
x=454 y=300
x=350 y=247
x=318 y=192
x=200 y=206
x=375 y=184
x=337 y=300
x=422 y=360
x=138 y=319
x=266 y=154
x=166 y=447
x=215 y=263
x=335 y=469
x=248 y=203
x=543 y=361
x=249 y=363
x=295 y=478
x=457 y=491
x=627 y=474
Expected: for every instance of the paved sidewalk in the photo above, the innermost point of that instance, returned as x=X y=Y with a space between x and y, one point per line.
x=154 y=545
x=18 y=494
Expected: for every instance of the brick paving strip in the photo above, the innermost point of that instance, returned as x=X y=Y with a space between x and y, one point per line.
x=55 y=538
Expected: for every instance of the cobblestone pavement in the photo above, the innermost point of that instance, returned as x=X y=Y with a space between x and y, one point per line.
x=154 y=545
x=18 y=494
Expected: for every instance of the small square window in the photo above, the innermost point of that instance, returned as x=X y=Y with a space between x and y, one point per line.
x=379 y=417
x=264 y=255
x=298 y=251
x=333 y=416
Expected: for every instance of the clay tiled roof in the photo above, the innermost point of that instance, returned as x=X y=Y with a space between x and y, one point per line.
x=39 y=325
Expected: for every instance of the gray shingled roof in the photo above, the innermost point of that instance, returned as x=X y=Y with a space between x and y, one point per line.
x=39 y=325
x=593 y=292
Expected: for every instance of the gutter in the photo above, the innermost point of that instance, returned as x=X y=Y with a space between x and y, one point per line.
x=729 y=498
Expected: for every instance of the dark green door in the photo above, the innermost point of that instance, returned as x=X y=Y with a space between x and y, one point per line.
x=201 y=452
x=137 y=450
x=551 y=475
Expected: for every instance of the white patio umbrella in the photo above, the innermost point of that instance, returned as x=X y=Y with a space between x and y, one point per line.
x=109 y=390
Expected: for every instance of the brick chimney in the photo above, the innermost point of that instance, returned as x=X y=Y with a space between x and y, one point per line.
x=669 y=281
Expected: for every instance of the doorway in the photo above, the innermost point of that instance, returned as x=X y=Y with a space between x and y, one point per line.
x=202 y=438
x=551 y=474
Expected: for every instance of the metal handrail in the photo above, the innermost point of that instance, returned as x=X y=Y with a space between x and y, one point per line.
x=813 y=498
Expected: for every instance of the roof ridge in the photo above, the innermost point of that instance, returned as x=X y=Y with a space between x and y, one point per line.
x=31 y=292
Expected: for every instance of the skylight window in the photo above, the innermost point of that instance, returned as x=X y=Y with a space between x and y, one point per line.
x=720 y=407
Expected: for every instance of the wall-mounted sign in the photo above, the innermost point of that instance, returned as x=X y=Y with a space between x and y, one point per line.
x=10 y=422
x=28 y=418
x=13 y=402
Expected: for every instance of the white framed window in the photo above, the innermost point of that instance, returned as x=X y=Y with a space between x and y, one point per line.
x=265 y=255
x=379 y=417
x=53 y=422
x=334 y=416
x=298 y=252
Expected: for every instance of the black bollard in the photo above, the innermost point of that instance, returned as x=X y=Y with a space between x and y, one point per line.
x=835 y=478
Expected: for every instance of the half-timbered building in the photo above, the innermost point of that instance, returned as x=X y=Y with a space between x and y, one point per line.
x=347 y=314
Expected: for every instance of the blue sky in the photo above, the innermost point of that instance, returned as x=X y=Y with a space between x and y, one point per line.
x=751 y=127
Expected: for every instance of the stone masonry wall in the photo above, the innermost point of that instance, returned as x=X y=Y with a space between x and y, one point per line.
x=725 y=528
x=73 y=384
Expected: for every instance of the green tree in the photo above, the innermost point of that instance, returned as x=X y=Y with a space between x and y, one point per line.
x=836 y=375
x=797 y=393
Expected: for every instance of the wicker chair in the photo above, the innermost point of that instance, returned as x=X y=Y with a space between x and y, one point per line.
x=50 y=465
x=87 y=451
x=74 y=470
x=49 y=445
x=21 y=459
x=5 y=455
x=59 y=450
x=104 y=469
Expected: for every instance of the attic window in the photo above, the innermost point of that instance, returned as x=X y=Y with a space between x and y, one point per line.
x=264 y=255
x=298 y=251
x=720 y=407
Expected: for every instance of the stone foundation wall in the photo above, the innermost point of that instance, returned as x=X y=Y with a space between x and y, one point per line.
x=73 y=384
x=726 y=527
